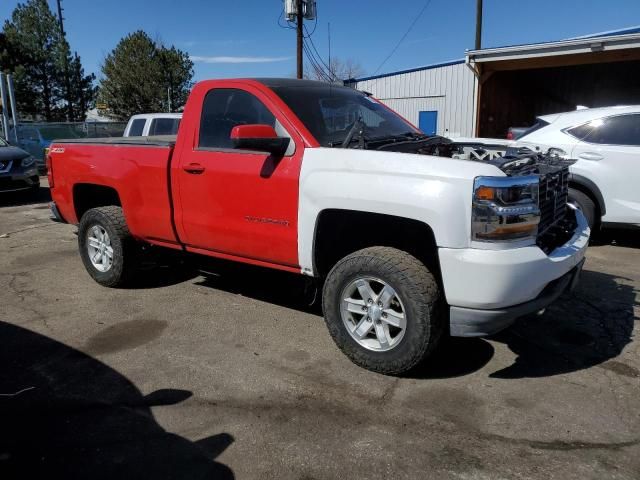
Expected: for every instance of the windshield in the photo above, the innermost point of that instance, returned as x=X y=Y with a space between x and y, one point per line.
x=329 y=112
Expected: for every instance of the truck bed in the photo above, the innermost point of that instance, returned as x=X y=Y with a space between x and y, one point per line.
x=157 y=141
x=136 y=169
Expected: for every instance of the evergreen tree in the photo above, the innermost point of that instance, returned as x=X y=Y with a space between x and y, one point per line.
x=140 y=76
x=34 y=50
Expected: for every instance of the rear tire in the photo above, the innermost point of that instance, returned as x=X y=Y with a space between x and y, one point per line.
x=418 y=307
x=107 y=248
x=585 y=204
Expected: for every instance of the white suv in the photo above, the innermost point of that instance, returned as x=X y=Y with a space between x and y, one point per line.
x=605 y=180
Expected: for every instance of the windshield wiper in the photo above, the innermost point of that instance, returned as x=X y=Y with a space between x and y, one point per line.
x=357 y=128
x=404 y=137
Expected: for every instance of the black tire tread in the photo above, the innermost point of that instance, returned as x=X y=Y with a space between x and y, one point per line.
x=419 y=285
x=120 y=273
x=587 y=205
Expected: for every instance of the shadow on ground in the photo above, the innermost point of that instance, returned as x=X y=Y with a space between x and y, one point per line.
x=66 y=415
x=620 y=237
x=455 y=357
x=25 y=197
x=587 y=328
x=273 y=286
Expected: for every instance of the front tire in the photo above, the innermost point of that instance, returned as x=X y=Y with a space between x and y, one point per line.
x=585 y=204
x=106 y=246
x=382 y=307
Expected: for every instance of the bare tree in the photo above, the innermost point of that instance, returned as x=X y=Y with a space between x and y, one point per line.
x=344 y=70
x=338 y=70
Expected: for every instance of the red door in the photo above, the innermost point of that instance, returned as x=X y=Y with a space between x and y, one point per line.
x=231 y=202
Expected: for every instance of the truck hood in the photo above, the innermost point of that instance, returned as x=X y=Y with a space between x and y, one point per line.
x=389 y=163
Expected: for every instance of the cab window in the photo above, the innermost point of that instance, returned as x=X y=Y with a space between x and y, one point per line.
x=164 y=126
x=137 y=126
x=225 y=108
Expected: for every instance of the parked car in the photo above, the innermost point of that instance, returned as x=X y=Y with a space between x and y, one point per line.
x=150 y=124
x=36 y=138
x=18 y=170
x=606 y=143
x=405 y=243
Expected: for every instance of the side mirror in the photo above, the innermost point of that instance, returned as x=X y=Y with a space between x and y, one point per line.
x=262 y=138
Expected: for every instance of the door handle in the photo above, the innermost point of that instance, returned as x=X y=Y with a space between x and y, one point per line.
x=590 y=156
x=193 y=168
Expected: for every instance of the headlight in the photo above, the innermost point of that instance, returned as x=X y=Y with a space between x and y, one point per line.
x=28 y=161
x=505 y=209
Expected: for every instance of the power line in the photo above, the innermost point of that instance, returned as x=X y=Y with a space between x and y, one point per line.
x=313 y=45
x=415 y=20
x=320 y=71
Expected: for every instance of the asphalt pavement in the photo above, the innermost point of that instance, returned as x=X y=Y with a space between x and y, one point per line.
x=232 y=374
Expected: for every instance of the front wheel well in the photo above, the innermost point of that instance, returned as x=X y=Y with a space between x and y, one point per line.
x=341 y=232
x=589 y=193
x=87 y=196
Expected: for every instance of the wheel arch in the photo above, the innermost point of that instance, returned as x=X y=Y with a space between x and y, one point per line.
x=589 y=188
x=339 y=232
x=89 y=195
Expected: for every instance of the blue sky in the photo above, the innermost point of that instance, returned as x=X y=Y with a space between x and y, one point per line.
x=242 y=38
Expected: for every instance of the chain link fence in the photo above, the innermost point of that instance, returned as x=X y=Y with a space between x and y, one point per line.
x=35 y=137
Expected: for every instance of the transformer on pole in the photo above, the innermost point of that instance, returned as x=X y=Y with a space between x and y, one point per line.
x=297 y=11
x=308 y=9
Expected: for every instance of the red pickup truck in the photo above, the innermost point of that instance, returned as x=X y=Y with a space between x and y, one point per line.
x=408 y=237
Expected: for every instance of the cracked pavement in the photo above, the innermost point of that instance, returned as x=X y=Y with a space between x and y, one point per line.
x=233 y=374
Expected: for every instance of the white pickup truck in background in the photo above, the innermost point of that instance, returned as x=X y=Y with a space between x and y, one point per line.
x=150 y=124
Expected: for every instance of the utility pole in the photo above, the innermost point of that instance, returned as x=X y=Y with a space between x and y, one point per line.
x=479 y=25
x=66 y=66
x=299 y=36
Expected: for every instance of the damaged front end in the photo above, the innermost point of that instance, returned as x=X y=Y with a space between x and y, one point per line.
x=555 y=221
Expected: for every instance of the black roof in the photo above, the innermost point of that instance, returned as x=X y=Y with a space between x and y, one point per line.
x=294 y=82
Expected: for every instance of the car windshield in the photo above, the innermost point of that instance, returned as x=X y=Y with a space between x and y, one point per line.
x=329 y=112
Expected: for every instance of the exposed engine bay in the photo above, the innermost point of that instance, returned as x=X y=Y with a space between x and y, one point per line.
x=513 y=161
x=557 y=221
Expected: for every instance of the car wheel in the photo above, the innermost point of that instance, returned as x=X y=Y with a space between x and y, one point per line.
x=107 y=248
x=585 y=204
x=382 y=307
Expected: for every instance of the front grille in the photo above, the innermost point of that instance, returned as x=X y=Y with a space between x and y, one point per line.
x=553 y=195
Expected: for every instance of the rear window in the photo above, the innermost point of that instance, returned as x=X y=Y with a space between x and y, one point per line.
x=164 y=126
x=536 y=126
x=137 y=126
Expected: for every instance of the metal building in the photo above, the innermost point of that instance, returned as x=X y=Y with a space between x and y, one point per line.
x=496 y=88
x=597 y=70
x=437 y=98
